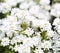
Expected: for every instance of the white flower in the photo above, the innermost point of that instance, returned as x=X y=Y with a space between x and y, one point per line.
x=15 y=11
x=46 y=25
x=24 y=5
x=31 y=41
x=44 y=2
x=11 y=2
x=13 y=41
x=55 y=11
x=24 y=13
x=16 y=47
x=23 y=49
x=9 y=33
x=34 y=9
x=2 y=34
x=35 y=19
x=46 y=7
x=28 y=42
x=46 y=45
x=28 y=0
x=50 y=33
x=29 y=31
x=5 y=7
x=36 y=40
x=5 y=41
x=36 y=23
x=18 y=38
x=43 y=15
x=56 y=23
x=29 y=19
x=31 y=3
x=12 y=19
x=43 y=24
x=12 y=27
x=39 y=50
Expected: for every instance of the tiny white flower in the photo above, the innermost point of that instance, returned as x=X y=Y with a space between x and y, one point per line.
x=56 y=23
x=44 y=2
x=29 y=31
x=5 y=8
x=39 y=50
x=24 y=49
x=36 y=40
x=5 y=41
x=55 y=11
x=28 y=42
x=46 y=45
x=16 y=47
x=24 y=5
x=34 y=9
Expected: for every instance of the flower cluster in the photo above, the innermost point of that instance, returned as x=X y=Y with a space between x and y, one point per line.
x=30 y=26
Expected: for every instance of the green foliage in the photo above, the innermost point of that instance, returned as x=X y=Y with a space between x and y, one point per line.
x=52 y=19
x=58 y=51
x=44 y=36
x=37 y=1
x=54 y=1
x=51 y=50
x=18 y=5
x=37 y=29
x=1 y=0
x=46 y=51
x=6 y=50
x=24 y=25
x=30 y=24
x=2 y=15
x=32 y=49
x=53 y=44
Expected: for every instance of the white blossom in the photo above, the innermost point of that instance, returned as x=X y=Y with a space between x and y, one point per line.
x=5 y=41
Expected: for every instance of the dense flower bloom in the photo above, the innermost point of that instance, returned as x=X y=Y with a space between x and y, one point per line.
x=29 y=26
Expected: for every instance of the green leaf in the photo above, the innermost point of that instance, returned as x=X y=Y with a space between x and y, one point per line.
x=58 y=51
x=12 y=35
x=58 y=47
x=24 y=25
x=44 y=36
x=1 y=0
x=4 y=15
x=5 y=35
x=55 y=1
x=6 y=50
x=32 y=50
x=51 y=50
x=37 y=1
x=53 y=44
x=37 y=29
x=52 y=19
x=30 y=24
x=46 y=51
x=17 y=5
